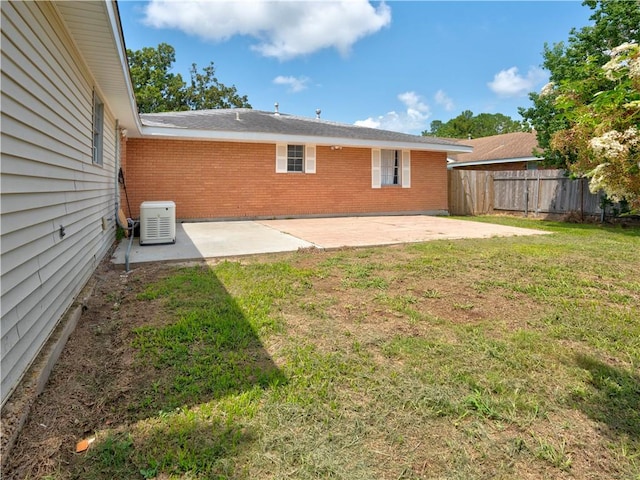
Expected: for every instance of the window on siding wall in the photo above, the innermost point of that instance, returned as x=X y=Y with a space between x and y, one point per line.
x=295 y=158
x=98 y=129
x=391 y=167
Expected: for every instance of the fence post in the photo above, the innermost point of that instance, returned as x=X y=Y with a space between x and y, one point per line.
x=526 y=194
x=581 y=199
x=538 y=192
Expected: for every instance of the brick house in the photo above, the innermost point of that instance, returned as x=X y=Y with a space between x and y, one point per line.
x=244 y=163
x=508 y=151
x=70 y=124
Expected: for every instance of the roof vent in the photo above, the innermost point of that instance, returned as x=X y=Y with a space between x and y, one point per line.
x=276 y=107
x=237 y=115
x=318 y=112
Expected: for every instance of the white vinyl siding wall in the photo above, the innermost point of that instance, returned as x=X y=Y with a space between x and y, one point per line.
x=48 y=180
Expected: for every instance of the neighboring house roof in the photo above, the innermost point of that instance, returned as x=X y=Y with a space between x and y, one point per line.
x=244 y=124
x=505 y=148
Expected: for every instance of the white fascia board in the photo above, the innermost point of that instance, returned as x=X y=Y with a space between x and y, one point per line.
x=116 y=28
x=261 y=137
x=453 y=164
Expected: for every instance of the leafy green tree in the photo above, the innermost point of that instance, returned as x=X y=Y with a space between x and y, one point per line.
x=586 y=118
x=205 y=91
x=157 y=89
x=601 y=140
x=467 y=125
x=436 y=127
x=615 y=22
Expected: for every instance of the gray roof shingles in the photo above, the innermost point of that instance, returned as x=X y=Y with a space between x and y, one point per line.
x=245 y=120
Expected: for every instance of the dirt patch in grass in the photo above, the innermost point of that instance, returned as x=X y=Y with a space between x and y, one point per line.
x=426 y=361
x=95 y=376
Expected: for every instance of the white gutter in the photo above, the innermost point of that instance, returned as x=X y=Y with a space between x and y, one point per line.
x=261 y=137
x=453 y=164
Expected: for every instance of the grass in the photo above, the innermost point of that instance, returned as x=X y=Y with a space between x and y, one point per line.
x=498 y=358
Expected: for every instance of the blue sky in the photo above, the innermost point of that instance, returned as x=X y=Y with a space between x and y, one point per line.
x=396 y=65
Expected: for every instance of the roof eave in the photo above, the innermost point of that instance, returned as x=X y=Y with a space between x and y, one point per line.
x=263 y=137
x=130 y=106
x=453 y=164
x=103 y=50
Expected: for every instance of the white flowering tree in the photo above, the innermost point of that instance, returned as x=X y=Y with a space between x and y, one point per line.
x=601 y=137
x=587 y=118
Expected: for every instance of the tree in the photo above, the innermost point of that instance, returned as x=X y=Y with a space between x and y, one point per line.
x=601 y=140
x=157 y=89
x=206 y=92
x=586 y=118
x=467 y=125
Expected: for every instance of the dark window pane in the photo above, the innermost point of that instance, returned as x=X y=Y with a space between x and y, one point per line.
x=295 y=158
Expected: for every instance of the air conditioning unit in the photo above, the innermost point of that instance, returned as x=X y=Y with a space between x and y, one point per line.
x=157 y=222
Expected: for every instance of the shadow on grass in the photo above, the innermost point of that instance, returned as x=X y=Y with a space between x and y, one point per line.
x=626 y=230
x=170 y=448
x=208 y=348
x=202 y=369
x=558 y=226
x=616 y=397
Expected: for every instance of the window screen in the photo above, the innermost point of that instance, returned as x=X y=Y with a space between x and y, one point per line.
x=295 y=158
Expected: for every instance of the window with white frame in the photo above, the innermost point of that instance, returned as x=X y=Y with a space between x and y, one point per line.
x=98 y=129
x=391 y=167
x=295 y=158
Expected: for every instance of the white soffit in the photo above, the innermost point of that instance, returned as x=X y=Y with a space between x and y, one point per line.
x=96 y=32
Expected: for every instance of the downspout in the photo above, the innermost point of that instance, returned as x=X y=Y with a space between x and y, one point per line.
x=116 y=189
x=117 y=195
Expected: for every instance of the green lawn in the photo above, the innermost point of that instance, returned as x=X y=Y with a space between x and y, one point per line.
x=498 y=358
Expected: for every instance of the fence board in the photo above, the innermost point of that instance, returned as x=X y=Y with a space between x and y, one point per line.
x=470 y=192
x=474 y=192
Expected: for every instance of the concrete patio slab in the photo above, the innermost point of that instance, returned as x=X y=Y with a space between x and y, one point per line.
x=210 y=240
x=225 y=239
x=368 y=231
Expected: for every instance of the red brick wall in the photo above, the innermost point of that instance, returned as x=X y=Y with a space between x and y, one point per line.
x=496 y=167
x=210 y=180
x=502 y=167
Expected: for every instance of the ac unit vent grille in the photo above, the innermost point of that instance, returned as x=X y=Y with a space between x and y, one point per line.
x=159 y=227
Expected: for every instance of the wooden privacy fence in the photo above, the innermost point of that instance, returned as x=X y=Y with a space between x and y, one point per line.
x=476 y=192
x=470 y=192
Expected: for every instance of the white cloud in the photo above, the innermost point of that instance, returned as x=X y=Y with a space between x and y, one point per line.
x=509 y=83
x=444 y=100
x=296 y=84
x=412 y=119
x=284 y=30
